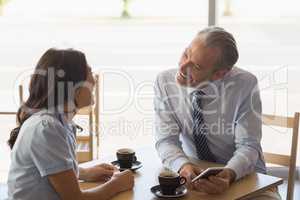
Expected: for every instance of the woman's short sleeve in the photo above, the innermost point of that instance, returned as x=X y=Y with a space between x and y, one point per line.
x=51 y=151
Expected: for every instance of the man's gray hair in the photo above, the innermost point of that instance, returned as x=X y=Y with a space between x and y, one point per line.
x=220 y=38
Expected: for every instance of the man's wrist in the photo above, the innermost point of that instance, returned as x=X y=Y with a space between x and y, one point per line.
x=176 y=164
x=184 y=165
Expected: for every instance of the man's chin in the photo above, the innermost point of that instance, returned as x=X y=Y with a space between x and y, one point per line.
x=183 y=83
x=179 y=81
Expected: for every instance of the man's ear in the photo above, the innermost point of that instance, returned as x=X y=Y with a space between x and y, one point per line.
x=219 y=74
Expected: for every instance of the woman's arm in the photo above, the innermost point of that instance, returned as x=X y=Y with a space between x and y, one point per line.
x=102 y=172
x=66 y=185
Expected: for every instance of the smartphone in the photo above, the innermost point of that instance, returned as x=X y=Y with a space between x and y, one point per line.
x=212 y=171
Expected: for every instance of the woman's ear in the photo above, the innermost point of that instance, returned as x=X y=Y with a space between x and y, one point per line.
x=76 y=102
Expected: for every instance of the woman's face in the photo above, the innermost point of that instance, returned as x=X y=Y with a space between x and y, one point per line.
x=84 y=94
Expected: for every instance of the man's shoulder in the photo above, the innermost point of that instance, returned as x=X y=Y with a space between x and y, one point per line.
x=241 y=76
x=166 y=76
x=167 y=84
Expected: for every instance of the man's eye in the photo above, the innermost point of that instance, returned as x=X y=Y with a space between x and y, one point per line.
x=185 y=55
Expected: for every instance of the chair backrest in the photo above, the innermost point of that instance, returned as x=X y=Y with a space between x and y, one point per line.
x=285 y=160
x=93 y=116
x=85 y=154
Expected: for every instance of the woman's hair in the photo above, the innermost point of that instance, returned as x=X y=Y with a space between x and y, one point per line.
x=52 y=84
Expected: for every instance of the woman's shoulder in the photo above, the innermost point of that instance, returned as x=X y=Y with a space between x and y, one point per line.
x=42 y=117
x=43 y=121
x=41 y=127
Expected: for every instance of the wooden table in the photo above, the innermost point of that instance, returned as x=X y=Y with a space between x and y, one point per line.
x=146 y=177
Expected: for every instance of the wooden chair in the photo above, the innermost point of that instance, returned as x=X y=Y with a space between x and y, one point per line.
x=285 y=160
x=86 y=142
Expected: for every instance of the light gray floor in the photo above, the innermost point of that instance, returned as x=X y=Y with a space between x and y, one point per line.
x=283 y=188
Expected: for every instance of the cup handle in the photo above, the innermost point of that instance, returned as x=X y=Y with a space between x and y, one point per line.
x=182 y=180
x=134 y=159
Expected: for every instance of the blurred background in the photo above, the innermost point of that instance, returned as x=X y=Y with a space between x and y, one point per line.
x=131 y=41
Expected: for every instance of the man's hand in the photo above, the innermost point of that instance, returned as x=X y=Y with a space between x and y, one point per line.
x=189 y=171
x=102 y=172
x=216 y=184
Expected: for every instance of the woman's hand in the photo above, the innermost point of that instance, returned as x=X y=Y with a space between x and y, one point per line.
x=102 y=172
x=123 y=180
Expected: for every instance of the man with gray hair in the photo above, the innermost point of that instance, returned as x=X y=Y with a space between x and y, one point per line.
x=208 y=109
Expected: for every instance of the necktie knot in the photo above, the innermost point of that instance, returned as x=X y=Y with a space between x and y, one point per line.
x=196 y=99
x=198 y=93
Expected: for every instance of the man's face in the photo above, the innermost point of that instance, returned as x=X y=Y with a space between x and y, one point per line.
x=196 y=65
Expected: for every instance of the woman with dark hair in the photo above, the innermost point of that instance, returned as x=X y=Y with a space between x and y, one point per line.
x=43 y=158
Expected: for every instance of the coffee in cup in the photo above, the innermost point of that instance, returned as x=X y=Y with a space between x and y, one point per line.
x=169 y=181
x=126 y=157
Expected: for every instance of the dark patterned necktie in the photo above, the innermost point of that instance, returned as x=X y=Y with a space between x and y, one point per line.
x=200 y=129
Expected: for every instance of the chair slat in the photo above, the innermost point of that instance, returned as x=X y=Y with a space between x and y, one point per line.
x=82 y=139
x=285 y=160
x=8 y=113
x=278 y=159
x=273 y=120
x=84 y=111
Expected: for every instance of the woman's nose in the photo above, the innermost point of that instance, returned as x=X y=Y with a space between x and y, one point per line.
x=93 y=80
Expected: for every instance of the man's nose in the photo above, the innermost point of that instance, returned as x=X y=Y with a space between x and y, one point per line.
x=185 y=67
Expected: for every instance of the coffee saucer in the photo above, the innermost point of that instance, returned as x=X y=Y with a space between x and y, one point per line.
x=180 y=192
x=135 y=166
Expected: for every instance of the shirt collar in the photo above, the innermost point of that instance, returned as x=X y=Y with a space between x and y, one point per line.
x=58 y=115
x=211 y=88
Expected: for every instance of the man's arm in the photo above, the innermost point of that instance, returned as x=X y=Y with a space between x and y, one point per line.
x=167 y=129
x=247 y=133
x=247 y=143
